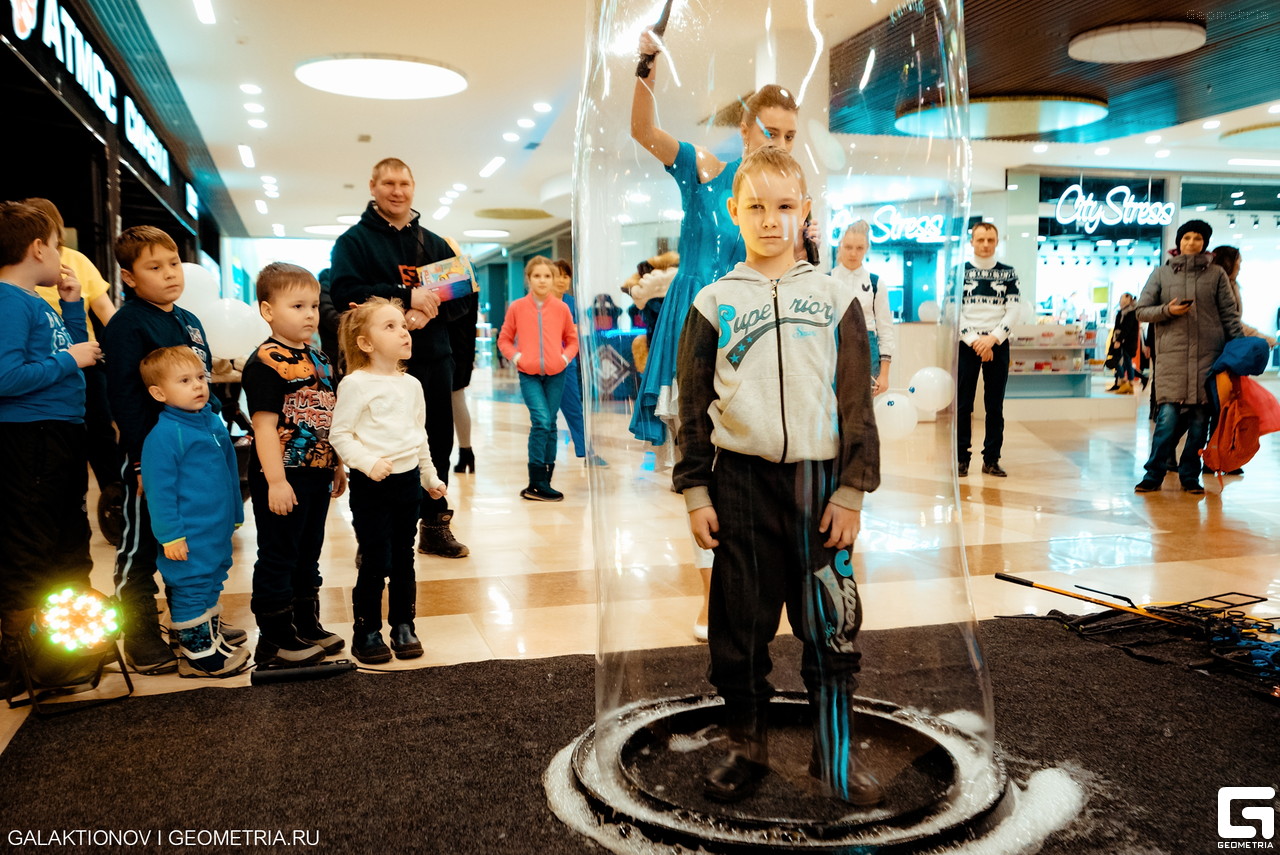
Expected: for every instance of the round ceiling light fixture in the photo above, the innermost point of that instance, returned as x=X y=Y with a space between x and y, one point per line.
x=331 y=229
x=1265 y=136
x=1141 y=41
x=1003 y=116
x=390 y=77
x=486 y=233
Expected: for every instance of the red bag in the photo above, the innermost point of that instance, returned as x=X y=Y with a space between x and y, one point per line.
x=1235 y=438
x=1264 y=404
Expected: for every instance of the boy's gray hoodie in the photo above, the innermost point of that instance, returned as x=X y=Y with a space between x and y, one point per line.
x=781 y=371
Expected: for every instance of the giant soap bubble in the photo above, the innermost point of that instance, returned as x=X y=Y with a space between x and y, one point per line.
x=875 y=729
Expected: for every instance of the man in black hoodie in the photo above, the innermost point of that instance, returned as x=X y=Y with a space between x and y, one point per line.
x=380 y=256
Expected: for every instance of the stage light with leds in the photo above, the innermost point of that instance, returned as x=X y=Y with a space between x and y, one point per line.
x=78 y=621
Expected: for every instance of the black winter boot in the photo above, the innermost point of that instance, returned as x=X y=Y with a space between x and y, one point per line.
x=306 y=620
x=740 y=772
x=539 y=489
x=435 y=538
x=404 y=642
x=144 y=648
x=367 y=645
x=278 y=642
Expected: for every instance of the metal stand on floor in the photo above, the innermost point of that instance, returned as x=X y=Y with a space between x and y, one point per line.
x=39 y=692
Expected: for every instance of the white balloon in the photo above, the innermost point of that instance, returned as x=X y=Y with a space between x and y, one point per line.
x=929 y=312
x=234 y=329
x=896 y=416
x=200 y=290
x=931 y=389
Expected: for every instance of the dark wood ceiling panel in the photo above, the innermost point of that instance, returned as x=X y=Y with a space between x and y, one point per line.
x=1018 y=47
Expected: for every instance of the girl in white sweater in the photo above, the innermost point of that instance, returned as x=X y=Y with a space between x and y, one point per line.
x=378 y=432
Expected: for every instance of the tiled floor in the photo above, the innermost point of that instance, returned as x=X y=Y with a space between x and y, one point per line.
x=1066 y=515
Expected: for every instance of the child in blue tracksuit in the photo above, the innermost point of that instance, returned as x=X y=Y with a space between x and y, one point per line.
x=192 y=483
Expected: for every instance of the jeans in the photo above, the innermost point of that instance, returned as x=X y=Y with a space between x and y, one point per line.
x=542 y=395
x=1172 y=421
x=995 y=376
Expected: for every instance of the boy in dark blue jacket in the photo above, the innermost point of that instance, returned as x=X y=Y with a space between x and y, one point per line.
x=149 y=319
x=44 y=533
x=192 y=482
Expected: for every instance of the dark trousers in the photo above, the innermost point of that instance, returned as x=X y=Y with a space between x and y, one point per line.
x=770 y=555
x=289 y=546
x=135 y=574
x=436 y=378
x=995 y=376
x=384 y=515
x=100 y=434
x=44 y=532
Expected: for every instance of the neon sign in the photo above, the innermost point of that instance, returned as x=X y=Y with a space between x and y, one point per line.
x=1118 y=206
x=888 y=225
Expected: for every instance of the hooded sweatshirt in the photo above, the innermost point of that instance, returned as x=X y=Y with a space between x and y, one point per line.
x=778 y=370
x=375 y=259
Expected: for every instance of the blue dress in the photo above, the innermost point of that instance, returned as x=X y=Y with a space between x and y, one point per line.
x=710 y=244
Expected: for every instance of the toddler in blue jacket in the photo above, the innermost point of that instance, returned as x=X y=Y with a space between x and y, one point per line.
x=192 y=484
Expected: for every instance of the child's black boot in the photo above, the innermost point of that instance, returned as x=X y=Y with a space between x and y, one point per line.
x=306 y=620
x=367 y=645
x=278 y=643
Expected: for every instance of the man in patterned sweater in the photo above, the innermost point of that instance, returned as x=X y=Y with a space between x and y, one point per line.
x=987 y=313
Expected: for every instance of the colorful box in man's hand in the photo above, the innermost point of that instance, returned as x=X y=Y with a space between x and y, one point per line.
x=450 y=278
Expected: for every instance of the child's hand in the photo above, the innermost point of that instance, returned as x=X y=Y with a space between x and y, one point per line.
x=68 y=286
x=86 y=353
x=704 y=524
x=843 y=525
x=380 y=470
x=437 y=492
x=880 y=385
x=176 y=551
x=339 y=482
x=281 y=498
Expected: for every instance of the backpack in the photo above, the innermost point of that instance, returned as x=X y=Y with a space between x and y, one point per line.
x=1235 y=437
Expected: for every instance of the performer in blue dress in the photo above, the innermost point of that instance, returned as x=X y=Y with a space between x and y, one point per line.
x=709 y=241
x=710 y=245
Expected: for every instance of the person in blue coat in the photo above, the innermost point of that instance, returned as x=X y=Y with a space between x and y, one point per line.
x=192 y=482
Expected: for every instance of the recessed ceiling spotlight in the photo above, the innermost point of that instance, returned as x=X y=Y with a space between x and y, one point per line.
x=1141 y=41
x=271 y=194
x=277 y=229
x=1202 y=207
x=486 y=233
x=524 y=123
x=452 y=194
x=255 y=108
x=250 y=89
x=257 y=123
x=459 y=187
x=492 y=166
x=1211 y=125
x=1101 y=151
x=383 y=76
x=1274 y=108
x=204 y=12
x=1240 y=201
x=268 y=179
x=1153 y=139
x=510 y=136
x=441 y=213
x=445 y=200
x=260 y=205
x=326 y=229
x=542 y=107
x=246 y=156
x=1164 y=152
x=1237 y=194
x=1040 y=148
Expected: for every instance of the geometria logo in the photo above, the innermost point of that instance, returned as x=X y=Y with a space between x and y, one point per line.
x=1258 y=822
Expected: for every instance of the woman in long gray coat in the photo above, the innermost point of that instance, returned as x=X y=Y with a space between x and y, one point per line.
x=1188 y=302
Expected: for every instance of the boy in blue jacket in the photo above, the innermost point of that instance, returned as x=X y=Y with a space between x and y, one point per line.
x=44 y=533
x=778 y=446
x=192 y=482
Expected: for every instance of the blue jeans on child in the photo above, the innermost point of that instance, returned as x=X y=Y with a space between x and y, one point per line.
x=542 y=395
x=1172 y=421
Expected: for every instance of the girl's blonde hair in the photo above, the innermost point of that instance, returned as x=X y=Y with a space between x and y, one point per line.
x=353 y=325
x=534 y=262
